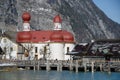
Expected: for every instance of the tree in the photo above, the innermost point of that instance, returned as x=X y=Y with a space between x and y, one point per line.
x=27 y=48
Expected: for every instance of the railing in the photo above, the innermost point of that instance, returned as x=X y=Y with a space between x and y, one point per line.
x=64 y=62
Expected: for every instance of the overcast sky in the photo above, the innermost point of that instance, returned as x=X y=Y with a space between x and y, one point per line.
x=110 y=7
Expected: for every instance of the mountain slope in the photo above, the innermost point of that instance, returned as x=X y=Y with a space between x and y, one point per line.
x=81 y=17
x=87 y=21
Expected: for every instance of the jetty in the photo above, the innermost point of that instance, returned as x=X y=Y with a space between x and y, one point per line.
x=60 y=65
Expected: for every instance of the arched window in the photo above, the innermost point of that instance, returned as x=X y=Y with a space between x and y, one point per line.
x=11 y=49
x=36 y=49
x=68 y=49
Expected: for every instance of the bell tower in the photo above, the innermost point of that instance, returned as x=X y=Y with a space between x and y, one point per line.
x=26 y=18
x=57 y=22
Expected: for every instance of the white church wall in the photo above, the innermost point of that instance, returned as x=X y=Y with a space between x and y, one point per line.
x=40 y=50
x=57 y=51
x=36 y=49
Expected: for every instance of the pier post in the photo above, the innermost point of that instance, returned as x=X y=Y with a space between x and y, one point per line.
x=76 y=66
x=60 y=65
x=92 y=66
x=109 y=69
x=101 y=68
x=48 y=66
x=34 y=64
x=85 y=67
x=38 y=67
x=71 y=65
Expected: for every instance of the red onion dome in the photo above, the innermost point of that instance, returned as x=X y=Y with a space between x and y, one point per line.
x=26 y=17
x=68 y=37
x=56 y=36
x=57 y=19
x=24 y=36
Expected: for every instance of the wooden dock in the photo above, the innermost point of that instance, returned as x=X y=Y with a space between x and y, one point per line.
x=72 y=65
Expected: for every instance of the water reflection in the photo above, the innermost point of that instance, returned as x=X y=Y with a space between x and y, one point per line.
x=54 y=75
x=92 y=76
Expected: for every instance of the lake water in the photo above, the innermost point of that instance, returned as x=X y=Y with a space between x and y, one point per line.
x=54 y=75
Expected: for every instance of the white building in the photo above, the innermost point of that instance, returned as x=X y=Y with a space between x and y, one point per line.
x=48 y=44
x=9 y=47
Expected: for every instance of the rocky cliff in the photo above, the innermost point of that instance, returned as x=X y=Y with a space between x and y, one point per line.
x=81 y=17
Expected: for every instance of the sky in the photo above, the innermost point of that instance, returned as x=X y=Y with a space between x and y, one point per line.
x=110 y=7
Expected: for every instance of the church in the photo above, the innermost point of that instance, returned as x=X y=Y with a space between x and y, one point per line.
x=45 y=44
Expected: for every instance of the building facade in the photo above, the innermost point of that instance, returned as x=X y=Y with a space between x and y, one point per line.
x=45 y=44
x=8 y=47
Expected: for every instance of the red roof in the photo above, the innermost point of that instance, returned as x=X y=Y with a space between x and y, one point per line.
x=44 y=35
x=68 y=37
x=41 y=36
x=24 y=36
x=56 y=36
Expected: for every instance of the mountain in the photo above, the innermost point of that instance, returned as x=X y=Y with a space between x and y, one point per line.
x=81 y=17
